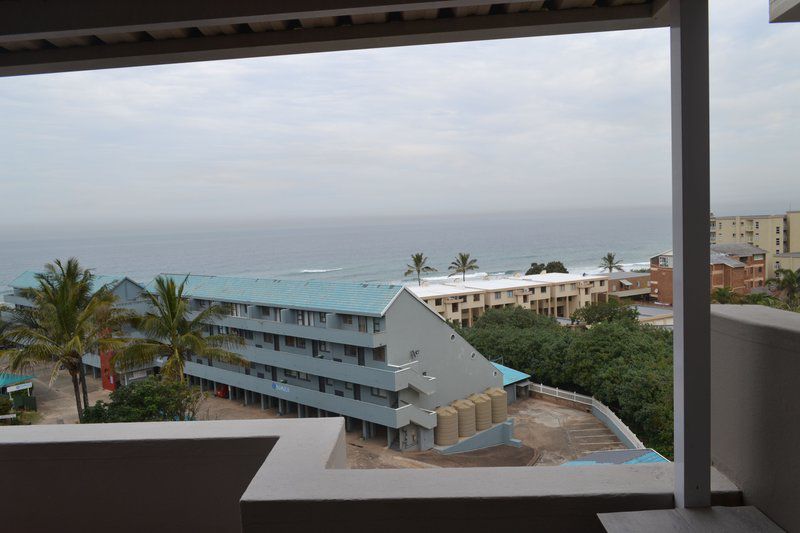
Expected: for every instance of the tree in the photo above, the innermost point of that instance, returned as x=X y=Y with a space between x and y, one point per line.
x=69 y=319
x=760 y=298
x=462 y=265
x=552 y=266
x=605 y=312
x=418 y=265
x=787 y=284
x=610 y=263
x=724 y=295
x=170 y=333
x=148 y=400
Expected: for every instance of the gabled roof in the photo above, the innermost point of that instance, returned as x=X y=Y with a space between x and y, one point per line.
x=722 y=259
x=370 y=299
x=510 y=375
x=27 y=280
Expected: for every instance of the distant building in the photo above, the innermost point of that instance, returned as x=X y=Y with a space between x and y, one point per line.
x=775 y=234
x=629 y=285
x=552 y=294
x=789 y=261
x=740 y=267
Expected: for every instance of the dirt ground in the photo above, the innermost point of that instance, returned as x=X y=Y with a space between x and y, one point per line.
x=551 y=434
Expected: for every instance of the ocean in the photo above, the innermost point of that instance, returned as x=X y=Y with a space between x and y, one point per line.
x=372 y=249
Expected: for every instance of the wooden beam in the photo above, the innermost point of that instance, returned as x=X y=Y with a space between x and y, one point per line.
x=328 y=39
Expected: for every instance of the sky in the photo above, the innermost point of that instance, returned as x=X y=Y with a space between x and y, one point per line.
x=546 y=123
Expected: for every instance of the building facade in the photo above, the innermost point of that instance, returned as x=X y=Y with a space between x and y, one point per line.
x=775 y=234
x=552 y=294
x=629 y=285
x=740 y=267
x=372 y=353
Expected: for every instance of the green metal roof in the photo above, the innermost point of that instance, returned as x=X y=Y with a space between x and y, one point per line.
x=510 y=375
x=13 y=379
x=370 y=299
x=27 y=280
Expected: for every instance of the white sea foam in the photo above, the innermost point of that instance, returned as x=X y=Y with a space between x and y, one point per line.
x=320 y=270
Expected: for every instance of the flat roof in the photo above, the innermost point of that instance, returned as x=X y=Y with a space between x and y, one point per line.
x=500 y=284
x=439 y=289
x=42 y=37
x=371 y=299
x=559 y=277
x=510 y=375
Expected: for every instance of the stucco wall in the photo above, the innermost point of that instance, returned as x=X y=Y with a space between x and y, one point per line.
x=755 y=406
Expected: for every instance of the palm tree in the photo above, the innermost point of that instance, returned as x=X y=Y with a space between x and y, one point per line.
x=462 y=265
x=610 y=263
x=787 y=283
x=69 y=318
x=170 y=333
x=418 y=265
x=724 y=295
x=760 y=298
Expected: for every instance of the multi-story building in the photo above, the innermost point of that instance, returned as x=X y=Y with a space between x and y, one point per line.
x=789 y=261
x=552 y=294
x=740 y=267
x=775 y=234
x=372 y=353
x=629 y=284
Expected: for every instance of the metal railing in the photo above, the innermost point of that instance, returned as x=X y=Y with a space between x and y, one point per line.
x=599 y=409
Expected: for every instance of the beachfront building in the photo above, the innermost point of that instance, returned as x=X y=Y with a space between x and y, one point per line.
x=740 y=267
x=775 y=234
x=128 y=296
x=788 y=261
x=629 y=285
x=370 y=352
x=551 y=294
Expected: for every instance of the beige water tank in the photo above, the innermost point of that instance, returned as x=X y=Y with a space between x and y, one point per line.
x=446 y=431
x=466 y=417
x=499 y=404
x=483 y=410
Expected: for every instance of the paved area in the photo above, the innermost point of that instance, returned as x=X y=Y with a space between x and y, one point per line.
x=551 y=434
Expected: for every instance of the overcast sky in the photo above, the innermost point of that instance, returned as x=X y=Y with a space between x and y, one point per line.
x=554 y=122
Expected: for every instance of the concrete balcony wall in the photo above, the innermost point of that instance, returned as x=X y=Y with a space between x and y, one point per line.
x=755 y=406
x=14 y=299
x=385 y=416
x=329 y=334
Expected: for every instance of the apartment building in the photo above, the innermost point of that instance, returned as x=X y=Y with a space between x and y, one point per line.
x=372 y=353
x=128 y=294
x=629 y=285
x=789 y=261
x=741 y=267
x=776 y=234
x=552 y=294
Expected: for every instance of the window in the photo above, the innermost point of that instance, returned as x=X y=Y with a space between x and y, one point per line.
x=303 y=318
x=437 y=301
x=329 y=382
x=543 y=290
x=252 y=365
x=562 y=287
x=264 y=311
x=377 y=392
x=756 y=224
x=476 y=297
x=376 y=325
x=260 y=375
x=777 y=230
x=350 y=351
x=778 y=241
x=573 y=286
x=497 y=296
x=347 y=320
x=510 y=294
x=289 y=341
x=338 y=393
x=454 y=307
x=348 y=386
x=323 y=318
x=303 y=376
x=323 y=346
x=268 y=337
x=602 y=283
x=379 y=354
x=238 y=310
x=301 y=343
x=290 y=373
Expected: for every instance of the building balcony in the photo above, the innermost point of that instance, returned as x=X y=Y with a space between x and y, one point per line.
x=15 y=299
x=328 y=334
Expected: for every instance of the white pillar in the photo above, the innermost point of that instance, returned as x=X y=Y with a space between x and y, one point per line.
x=690 y=219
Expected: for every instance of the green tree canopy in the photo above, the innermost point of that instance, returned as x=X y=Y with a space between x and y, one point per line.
x=605 y=312
x=148 y=400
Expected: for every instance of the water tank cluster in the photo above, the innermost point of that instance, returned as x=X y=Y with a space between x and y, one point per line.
x=466 y=417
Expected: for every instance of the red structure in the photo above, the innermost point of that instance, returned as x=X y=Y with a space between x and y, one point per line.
x=110 y=379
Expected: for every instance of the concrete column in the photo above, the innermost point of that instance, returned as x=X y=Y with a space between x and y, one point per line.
x=263 y=403
x=364 y=429
x=202 y=385
x=231 y=393
x=690 y=274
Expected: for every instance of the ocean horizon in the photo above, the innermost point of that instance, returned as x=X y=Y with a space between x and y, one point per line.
x=368 y=249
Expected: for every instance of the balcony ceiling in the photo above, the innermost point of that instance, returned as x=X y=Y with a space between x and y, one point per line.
x=42 y=36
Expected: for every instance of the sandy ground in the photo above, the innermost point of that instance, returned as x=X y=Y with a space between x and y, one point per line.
x=551 y=434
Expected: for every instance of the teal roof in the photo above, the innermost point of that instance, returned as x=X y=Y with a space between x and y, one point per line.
x=12 y=379
x=510 y=375
x=370 y=299
x=27 y=280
